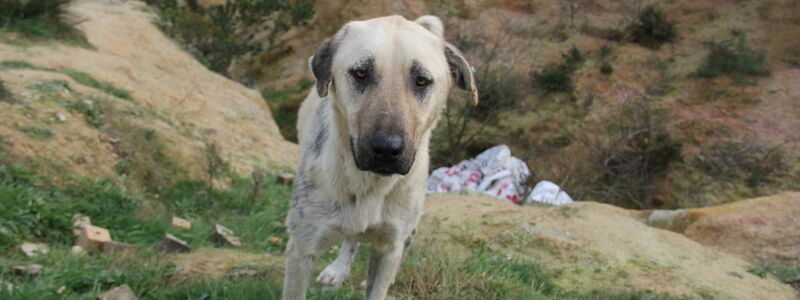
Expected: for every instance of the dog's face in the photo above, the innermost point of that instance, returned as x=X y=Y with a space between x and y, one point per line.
x=389 y=78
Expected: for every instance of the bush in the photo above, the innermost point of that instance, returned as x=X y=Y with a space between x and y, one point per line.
x=733 y=57
x=627 y=158
x=5 y=94
x=39 y=19
x=755 y=163
x=558 y=78
x=220 y=34
x=606 y=68
x=652 y=28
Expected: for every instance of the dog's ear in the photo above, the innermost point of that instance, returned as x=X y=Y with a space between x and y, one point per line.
x=321 y=65
x=461 y=71
x=432 y=24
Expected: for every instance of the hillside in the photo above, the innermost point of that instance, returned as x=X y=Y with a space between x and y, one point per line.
x=130 y=130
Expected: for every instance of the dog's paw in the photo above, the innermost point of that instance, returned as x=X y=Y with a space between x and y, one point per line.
x=334 y=274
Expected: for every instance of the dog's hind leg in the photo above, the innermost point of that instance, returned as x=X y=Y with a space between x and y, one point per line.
x=336 y=272
x=383 y=264
x=299 y=265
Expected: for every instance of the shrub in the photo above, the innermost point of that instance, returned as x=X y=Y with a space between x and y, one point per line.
x=39 y=19
x=5 y=94
x=219 y=34
x=755 y=163
x=652 y=28
x=735 y=58
x=558 y=77
x=606 y=68
x=627 y=158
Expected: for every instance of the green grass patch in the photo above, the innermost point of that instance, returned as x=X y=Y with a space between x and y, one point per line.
x=284 y=105
x=41 y=133
x=40 y=20
x=781 y=272
x=88 y=80
x=17 y=64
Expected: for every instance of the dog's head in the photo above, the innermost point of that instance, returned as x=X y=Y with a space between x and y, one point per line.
x=389 y=79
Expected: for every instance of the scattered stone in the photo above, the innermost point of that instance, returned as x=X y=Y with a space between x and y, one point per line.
x=61 y=290
x=181 y=223
x=119 y=248
x=60 y=117
x=78 y=222
x=31 y=270
x=171 y=244
x=240 y=271
x=77 y=250
x=286 y=178
x=34 y=249
x=275 y=240
x=93 y=237
x=122 y=292
x=224 y=235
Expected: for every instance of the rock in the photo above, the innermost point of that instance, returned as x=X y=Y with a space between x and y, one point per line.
x=7 y=286
x=93 y=237
x=171 y=244
x=61 y=290
x=672 y=220
x=181 y=223
x=122 y=292
x=31 y=270
x=222 y=234
x=77 y=250
x=247 y=270
x=119 y=248
x=61 y=118
x=78 y=222
x=286 y=178
x=34 y=249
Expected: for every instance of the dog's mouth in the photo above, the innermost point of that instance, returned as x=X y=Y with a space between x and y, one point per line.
x=369 y=162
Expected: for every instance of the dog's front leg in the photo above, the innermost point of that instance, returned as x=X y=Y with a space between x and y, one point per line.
x=383 y=264
x=336 y=272
x=298 y=272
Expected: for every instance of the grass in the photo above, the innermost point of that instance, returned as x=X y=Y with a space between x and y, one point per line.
x=5 y=94
x=41 y=133
x=284 y=104
x=40 y=20
x=79 y=77
x=88 y=80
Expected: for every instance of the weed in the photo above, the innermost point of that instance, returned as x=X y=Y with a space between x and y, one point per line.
x=41 y=133
x=606 y=68
x=39 y=20
x=16 y=64
x=92 y=110
x=652 y=28
x=88 y=80
x=735 y=58
x=781 y=272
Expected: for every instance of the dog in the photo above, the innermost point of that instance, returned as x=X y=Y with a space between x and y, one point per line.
x=364 y=131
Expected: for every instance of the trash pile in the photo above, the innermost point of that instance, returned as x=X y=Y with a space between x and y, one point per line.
x=498 y=174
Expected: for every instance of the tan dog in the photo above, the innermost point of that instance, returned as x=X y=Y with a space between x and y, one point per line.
x=364 y=133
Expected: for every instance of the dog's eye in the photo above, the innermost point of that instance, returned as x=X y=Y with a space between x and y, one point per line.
x=360 y=73
x=422 y=81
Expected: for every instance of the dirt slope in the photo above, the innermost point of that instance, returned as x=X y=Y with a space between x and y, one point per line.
x=176 y=96
x=596 y=247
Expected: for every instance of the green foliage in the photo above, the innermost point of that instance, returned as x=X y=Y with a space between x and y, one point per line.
x=37 y=132
x=735 y=58
x=88 y=80
x=781 y=272
x=284 y=105
x=558 y=78
x=16 y=64
x=91 y=110
x=755 y=163
x=39 y=19
x=219 y=34
x=606 y=68
x=652 y=28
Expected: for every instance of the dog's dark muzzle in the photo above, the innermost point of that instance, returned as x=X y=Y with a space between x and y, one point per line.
x=385 y=154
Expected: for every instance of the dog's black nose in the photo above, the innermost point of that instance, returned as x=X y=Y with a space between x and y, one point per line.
x=387 y=148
